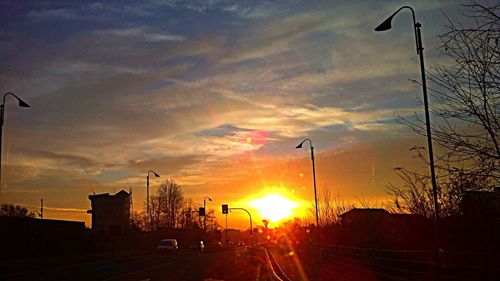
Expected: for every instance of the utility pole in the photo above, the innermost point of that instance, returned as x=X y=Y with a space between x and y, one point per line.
x=131 y=205
x=41 y=208
x=148 y=210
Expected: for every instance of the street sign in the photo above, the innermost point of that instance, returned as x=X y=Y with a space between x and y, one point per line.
x=265 y=222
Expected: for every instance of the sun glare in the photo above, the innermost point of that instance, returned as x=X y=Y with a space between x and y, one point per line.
x=274 y=207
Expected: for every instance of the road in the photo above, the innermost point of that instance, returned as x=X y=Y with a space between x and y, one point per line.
x=326 y=265
x=242 y=263
x=236 y=264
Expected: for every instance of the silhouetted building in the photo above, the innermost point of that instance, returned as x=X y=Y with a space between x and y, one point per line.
x=482 y=205
x=110 y=213
x=478 y=227
x=361 y=216
x=378 y=228
x=23 y=236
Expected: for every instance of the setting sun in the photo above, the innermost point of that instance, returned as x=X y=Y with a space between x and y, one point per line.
x=274 y=207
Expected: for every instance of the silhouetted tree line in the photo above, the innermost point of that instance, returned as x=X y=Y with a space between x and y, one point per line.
x=11 y=210
x=170 y=209
x=330 y=207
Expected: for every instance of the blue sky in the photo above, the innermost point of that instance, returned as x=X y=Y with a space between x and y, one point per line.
x=215 y=94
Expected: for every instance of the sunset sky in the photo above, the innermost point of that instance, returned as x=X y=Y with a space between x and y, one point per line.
x=214 y=94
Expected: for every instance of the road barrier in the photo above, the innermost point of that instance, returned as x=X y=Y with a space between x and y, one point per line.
x=417 y=264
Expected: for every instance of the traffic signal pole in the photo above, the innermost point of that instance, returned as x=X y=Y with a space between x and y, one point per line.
x=226 y=209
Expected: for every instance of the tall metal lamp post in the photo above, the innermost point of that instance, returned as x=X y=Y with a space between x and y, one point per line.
x=205 y=207
x=148 y=210
x=314 y=177
x=386 y=25
x=2 y=119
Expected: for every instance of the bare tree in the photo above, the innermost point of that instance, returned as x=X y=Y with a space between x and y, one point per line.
x=368 y=203
x=466 y=117
x=156 y=217
x=166 y=205
x=174 y=199
x=189 y=218
x=138 y=220
x=415 y=195
x=212 y=223
x=12 y=210
x=467 y=93
x=331 y=207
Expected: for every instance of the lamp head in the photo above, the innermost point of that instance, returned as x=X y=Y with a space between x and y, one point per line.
x=385 y=25
x=300 y=144
x=23 y=103
x=20 y=101
x=154 y=173
x=209 y=199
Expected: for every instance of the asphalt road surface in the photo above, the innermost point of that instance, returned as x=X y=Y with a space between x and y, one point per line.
x=236 y=264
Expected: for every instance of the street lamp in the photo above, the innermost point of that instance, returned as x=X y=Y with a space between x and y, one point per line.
x=205 y=207
x=2 y=118
x=147 y=197
x=314 y=177
x=386 y=25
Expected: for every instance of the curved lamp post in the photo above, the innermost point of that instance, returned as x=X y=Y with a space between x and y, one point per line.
x=314 y=177
x=2 y=118
x=251 y=226
x=386 y=25
x=147 y=197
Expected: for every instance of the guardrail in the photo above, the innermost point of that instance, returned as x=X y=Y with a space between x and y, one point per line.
x=407 y=264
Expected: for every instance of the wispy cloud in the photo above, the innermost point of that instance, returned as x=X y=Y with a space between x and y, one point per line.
x=96 y=11
x=53 y=14
x=141 y=33
x=242 y=9
x=56 y=209
x=221 y=131
x=213 y=93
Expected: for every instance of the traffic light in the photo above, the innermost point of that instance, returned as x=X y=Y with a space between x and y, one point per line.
x=225 y=209
x=201 y=211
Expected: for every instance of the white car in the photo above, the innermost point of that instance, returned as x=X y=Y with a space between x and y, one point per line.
x=167 y=246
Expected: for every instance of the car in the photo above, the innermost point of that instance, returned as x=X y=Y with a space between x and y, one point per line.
x=214 y=247
x=197 y=245
x=167 y=246
x=241 y=243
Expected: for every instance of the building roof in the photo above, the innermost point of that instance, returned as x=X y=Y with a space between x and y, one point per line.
x=371 y=211
x=119 y=193
x=122 y=192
